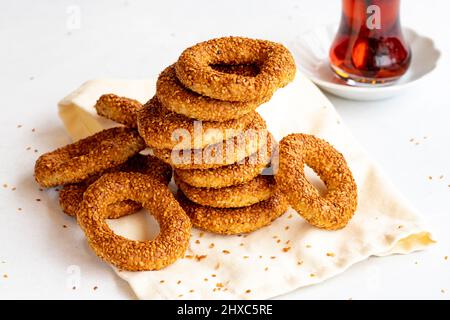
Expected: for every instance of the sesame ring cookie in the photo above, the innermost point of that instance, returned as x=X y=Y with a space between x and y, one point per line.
x=234 y=220
x=133 y=255
x=276 y=68
x=119 y=109
x=232 y=174
x=331 y=211
x=175 y=97
x=87 y=157
x=242 y=195
x=161 y=128
x=228 y=152
x=71 y=195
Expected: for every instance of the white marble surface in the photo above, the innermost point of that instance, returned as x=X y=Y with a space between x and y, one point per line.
x=49 y=48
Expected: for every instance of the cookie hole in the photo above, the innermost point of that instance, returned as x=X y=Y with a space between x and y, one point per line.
x=248 y=70
x=315 y=181
x=141 y=226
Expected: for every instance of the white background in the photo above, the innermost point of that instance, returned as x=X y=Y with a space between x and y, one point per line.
x=47 y=50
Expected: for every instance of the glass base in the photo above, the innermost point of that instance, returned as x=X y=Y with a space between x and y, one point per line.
x=358 y=81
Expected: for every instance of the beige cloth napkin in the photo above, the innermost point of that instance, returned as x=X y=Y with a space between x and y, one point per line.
x=289 y=253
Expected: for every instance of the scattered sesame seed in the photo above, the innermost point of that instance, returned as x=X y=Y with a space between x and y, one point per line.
x=95 y=288
x=299 y=263
x=28 y=148
x=74 y=288
x=260 y=257
x=38 y=200
x=330 y=254
x=286 y=249
x=180 y=295
x=5 y=186
x=33 y=130
x=192 y=290
x=179 y=281
x=278 y=241
x=188 y=256
x=286 y=228
x=446 y=258
x=206 y=279
x=430 y=178
x=19 y=126
x=162 y=281
x=226 y=251
x=248 y=291
x=246 y=257
x=14 y=189
x=289 y=216
x=308 y=246
x=200 y=258
x=400 y=227
x=416 y=262
x=217 y=266
x=266 y=268
x=19 y=209
x=211 y=245
x=411 y=140
x=273 y=257
x=201 y=234
x=213 y=275
x=219 y=285
x=312 y=275
x=35 y=150
x=242 y=244
x=64 y=226
x=197 y=241
x=441 y=176
x=442 y=290
x=5 y=275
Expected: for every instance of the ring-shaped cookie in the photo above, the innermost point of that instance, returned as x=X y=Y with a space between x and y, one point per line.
x=276 y=68
x=232 y=174
x=119 y=109
x=252 y=141
x=71 y=195
x=175 y=97
x=87 y=157
x=242 y=195
x=161 y=128
x=234 y=220
x=330 y=211
x=126 y=254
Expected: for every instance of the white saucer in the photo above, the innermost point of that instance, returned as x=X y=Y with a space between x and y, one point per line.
x=311 y=54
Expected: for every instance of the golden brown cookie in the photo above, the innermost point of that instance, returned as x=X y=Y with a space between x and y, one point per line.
x=87 y=157
x=175 y=97
x=276 y=68
x=234 y=220
x=234 y=150
x=242 y=195
x=334 y=209
x=71 y=195
x=126 y=254
x=161 y=128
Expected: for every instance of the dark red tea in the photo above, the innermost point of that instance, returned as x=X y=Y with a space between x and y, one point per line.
x=369 y=47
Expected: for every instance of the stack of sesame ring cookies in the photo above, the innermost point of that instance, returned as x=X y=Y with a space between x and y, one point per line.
x=203 y=123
